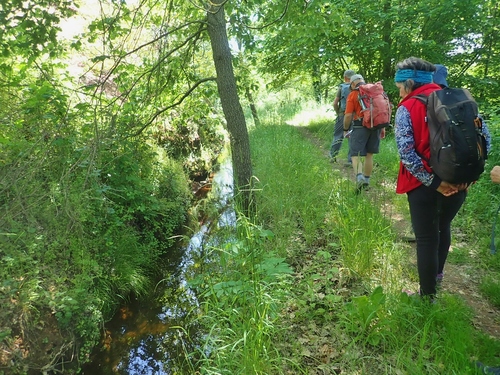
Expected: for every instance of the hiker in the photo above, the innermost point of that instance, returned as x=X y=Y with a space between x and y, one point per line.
x=433 y=203
x=339 y=104
x=439 y=78
x=495 y=174
x=363 y=142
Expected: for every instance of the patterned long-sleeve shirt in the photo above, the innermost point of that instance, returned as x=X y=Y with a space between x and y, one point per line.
x=406 y=147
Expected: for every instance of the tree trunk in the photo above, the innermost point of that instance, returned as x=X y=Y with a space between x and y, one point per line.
x=233 y=112
x=252 y=106
x=316 y=78
x=387 y=63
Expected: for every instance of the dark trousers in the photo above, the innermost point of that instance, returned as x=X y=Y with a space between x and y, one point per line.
x=338 y=137
x=431 y=217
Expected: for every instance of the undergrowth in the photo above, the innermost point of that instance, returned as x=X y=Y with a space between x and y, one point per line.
x=312 y=284
x=83 y=225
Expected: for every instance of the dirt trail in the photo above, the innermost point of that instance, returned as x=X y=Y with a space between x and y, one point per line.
x=459 y=279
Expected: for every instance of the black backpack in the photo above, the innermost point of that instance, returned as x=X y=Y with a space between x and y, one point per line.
x=457 y=142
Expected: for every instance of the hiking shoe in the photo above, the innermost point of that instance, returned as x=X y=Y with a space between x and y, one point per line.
x=359 y=186
x=409 y=238
x=411 y=293
x=439 y=279
x=488 y=370
x=362 y=185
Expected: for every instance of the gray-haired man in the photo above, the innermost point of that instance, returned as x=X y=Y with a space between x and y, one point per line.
x=339 y=105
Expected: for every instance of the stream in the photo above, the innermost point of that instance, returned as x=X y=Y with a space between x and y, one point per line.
x=149 y=337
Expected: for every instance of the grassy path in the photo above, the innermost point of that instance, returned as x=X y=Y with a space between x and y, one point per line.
x=461 y=279
x=313 y=286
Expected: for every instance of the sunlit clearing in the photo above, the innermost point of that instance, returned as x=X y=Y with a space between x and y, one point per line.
x=316 y=114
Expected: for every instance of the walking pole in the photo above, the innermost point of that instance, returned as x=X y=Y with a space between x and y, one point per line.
x=492 y=245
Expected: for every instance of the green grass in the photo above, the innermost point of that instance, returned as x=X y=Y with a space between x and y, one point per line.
x=490 y=286
x=341 y=310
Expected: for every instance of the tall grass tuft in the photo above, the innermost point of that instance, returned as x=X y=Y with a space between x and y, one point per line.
x=295 y=182
x=242 y=289
x=334 y=302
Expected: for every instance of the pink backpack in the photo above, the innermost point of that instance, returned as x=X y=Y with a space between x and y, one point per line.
x=376 y=108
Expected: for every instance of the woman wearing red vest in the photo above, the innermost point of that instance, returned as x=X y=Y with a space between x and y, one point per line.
x=433 y=203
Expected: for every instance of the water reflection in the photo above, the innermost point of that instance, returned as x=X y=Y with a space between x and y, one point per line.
x=145 y=337
x=142 y=338
x=223 y=188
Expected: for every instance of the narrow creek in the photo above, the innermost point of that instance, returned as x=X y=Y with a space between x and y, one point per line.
x=145 y=337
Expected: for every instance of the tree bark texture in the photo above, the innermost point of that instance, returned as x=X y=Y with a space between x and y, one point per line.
x=231 y=106
x=251 y=102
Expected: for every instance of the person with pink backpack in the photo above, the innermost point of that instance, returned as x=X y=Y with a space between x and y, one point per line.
x=364 y=142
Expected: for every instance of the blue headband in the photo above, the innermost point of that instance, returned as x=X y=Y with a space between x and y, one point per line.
x=419 y=76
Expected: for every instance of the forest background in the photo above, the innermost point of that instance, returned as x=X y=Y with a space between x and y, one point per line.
x=112 y=110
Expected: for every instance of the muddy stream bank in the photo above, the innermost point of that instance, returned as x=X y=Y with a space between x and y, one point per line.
x=148 y=337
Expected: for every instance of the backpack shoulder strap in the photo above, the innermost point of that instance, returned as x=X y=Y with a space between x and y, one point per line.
x=421 y=97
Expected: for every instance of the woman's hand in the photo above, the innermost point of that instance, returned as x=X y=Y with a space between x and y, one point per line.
x=447 y=189
x=495 y=174
x=382 y=133
x=463 y=186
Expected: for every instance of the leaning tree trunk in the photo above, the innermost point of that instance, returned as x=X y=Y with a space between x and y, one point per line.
x=233 y=112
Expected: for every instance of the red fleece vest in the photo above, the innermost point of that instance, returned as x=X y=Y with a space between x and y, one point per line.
x=406 y=181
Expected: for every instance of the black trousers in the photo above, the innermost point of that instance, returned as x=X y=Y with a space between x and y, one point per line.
x=431 y=217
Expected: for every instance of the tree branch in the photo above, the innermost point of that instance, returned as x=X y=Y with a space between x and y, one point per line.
x=273 y=21
x=161 y=36
x=186 y=94
x=195 y=36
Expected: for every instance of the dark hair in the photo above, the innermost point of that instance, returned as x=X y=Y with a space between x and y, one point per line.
x=414 y=63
